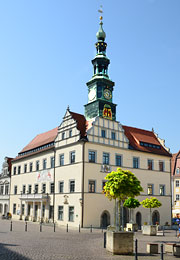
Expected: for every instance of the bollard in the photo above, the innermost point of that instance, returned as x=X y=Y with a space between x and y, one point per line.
x=40 y=227
x=91 y=228
x=102 y=229
x=104 y=239
x=67 y=228
x=162 y=255
x=79 y=228
x=163 y=230
x=54 y=227
x=136 y=250
x=11 y=226
x=25 y=226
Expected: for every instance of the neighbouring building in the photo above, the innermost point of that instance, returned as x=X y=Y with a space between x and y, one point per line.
x=175 y=171
x=5 y=178
x=59 y=176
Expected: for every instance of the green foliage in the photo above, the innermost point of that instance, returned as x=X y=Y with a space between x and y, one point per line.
x=121 y=185
x=151 y=203
x=131 y=203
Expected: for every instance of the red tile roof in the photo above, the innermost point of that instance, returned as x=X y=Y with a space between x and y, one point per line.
x=136 y=135
x=81 y=123
x=41 y=139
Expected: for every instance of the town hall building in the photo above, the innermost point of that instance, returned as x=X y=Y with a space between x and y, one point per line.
x=59 y=176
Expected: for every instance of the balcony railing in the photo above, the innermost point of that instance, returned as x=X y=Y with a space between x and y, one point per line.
x=34 y=196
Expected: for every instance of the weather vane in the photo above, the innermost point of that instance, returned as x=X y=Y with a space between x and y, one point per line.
x=100 y=11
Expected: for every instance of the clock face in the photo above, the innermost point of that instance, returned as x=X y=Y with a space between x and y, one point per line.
x=107 y=94
x=92 y=95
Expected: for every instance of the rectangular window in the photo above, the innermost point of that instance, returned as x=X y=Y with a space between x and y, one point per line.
x=162 y=190
x=25 y=168
x=118 y=160
x=72 y=157
x=61 y=160
x=135 y=162
x=14 y=209
x=29 y=189
x=61 y=187
x=31 y=167
x=44 y=164
x=15 y=189
x=44 y=188
x=70 y=133
x=177 y=170
x=72 y=186
x=24 y=189
x=22 y=209
x=37 y=165
x=52 y=162
x=113 y=135
x=150 y=164
x=103 y=133
x=19 y=169
x=177 y=196
x=14 y=170
x=2 y=189
x=106 y=158
x=71 y=214
x=36 y=188
x=52 y=187
x=7 y=189
x=91 y=186
x=161 y=166
x=60 y=212
x=177 y=183
x=103 y=184
x=150 y=189
x=63 y=136
x=92 y=156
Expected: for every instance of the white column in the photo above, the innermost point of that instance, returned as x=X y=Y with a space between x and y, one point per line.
x=41 y=211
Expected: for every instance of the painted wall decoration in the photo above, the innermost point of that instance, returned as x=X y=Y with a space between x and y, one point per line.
x=45 y=175
x=107 y=112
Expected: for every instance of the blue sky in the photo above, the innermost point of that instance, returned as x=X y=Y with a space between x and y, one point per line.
x=46 y=49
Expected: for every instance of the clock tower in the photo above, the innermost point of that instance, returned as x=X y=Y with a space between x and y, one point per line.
x=100 y=87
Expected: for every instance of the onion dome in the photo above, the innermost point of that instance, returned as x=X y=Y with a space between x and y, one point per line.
x=101 y=35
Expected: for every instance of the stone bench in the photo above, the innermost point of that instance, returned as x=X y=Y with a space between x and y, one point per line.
x=169 y=248
x=152 y=248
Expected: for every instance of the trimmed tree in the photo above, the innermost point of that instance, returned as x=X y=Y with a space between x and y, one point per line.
x=151 y=204
x=131 y=204
x=120 y=185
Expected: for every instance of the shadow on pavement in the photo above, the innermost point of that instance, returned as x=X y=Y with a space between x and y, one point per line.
x=6 y=253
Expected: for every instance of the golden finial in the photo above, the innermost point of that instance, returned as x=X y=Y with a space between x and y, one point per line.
x=101 y=11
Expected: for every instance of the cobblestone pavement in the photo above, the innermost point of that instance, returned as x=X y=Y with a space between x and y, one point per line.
x=47 y=245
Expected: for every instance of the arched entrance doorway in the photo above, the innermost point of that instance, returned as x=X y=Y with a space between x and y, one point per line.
x=155 y=217
x=105 y=219
x=138 y=219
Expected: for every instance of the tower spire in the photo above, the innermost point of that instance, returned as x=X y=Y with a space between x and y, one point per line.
x=100 y=87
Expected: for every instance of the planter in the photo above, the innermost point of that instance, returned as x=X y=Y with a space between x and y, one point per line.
x=119 y=243
x=149 y=230
x=131 y=227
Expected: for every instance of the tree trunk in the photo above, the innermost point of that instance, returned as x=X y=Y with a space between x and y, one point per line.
x=150 y=222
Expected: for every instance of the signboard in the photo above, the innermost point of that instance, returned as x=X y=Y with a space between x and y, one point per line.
x=45 y=175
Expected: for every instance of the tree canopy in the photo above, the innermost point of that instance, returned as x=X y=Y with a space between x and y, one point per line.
x=121 y=185
x=151 y=203
x=131 y=203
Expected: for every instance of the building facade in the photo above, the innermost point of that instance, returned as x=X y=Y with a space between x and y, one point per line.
x=5 y=178
x=176 y=184
x=59 y=176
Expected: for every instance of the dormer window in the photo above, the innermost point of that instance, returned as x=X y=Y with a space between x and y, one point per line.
x=103 y=133
x=63 y=136
x=150 y=145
